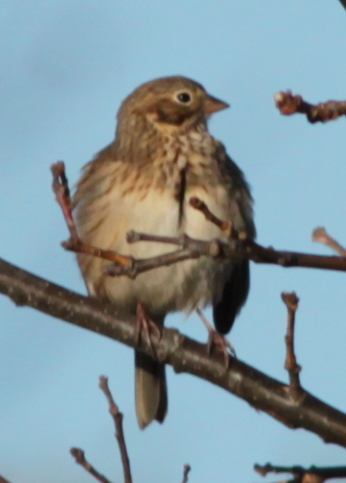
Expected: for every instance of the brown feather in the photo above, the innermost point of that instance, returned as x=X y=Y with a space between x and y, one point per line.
x=163 y=155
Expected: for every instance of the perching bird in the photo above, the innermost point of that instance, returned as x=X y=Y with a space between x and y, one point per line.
x=162 y=156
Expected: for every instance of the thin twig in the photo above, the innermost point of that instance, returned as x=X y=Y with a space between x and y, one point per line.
x=187 y=469
x=244 y=249
x=62 y=193
x=320 y=235
x=141 y=265
x=78 y=246
x=313 y=474
x=119 y=432
x=289 y=104
x=291 y=301
x=240 y=247
x=78 y=455
x=74 y=244
x=226 y=228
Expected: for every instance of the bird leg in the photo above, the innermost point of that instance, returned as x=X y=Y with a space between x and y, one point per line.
x=146 y=326
x=217 y=340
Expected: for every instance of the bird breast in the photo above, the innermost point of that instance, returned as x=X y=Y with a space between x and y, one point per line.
x=154 y=199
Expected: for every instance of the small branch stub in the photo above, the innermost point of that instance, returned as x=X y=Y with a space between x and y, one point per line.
x=79 y=457
x=289 y=104
x=320 y=235
x=291 y=301
x=62 y=193
x=187 y=469
x=226 y=228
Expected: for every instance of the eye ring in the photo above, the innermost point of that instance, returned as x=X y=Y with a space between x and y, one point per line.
x=184 y=97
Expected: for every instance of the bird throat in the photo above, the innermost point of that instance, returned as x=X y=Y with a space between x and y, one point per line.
x=185 y=160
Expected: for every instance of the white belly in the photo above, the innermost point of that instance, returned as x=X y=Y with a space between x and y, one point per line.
x=150 y=205
x=182 y=286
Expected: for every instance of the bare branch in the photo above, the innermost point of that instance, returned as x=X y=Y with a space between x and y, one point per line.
x=291 y=301
x=119 y=433
x=225 y=227
x=78 y=246
x=184 y=354
x=289 y=104
x=243 y=249
x=78 y=455
x=320 y=235
x=62 y=194
x=313 y=474
x=239 y=247
x=187 y=469
x=74 y=244
x=141 y=265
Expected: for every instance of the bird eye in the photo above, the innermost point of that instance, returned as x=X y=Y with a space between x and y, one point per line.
x=184 y=97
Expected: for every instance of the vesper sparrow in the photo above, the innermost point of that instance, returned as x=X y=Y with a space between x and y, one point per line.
x=162 y=156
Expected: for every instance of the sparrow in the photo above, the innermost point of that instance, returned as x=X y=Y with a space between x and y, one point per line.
x=161 y=157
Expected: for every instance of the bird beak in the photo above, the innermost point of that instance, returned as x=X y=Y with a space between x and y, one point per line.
x=211 y=105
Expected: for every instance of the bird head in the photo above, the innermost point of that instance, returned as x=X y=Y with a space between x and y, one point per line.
x=174 y=103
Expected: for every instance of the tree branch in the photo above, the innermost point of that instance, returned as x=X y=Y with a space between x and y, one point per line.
x=289 y=104
x=119 y=432
x=118 y=417
x=79 y=457
x=291 y=301
x=239 y=246
x=187 y=469
x=313 y=474
x=74 y=244
x=184 y=354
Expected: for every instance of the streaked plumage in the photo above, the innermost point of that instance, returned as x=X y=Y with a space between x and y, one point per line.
x=161 y=157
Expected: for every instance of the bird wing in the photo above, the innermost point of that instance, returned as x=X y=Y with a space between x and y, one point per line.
x=91 y=212
x=236 y=289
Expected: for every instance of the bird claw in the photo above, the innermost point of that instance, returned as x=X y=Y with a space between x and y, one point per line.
x=146 y=326
x=218 y=341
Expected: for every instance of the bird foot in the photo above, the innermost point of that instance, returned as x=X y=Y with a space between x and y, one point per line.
x=220 y=342
x=217 y=341
x=146 y=326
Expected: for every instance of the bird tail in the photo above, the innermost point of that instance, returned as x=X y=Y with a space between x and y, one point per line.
x=151 y=390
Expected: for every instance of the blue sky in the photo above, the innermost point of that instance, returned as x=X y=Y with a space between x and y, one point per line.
x=66 y=66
